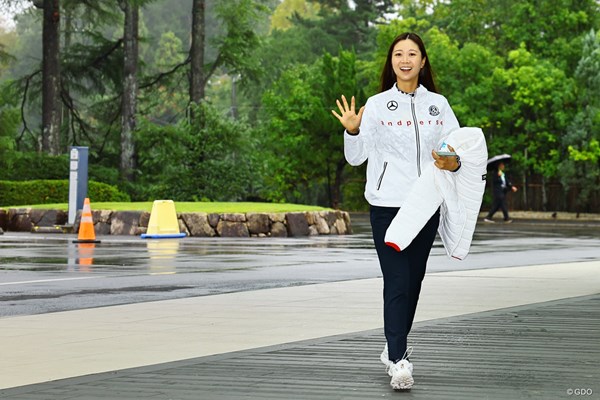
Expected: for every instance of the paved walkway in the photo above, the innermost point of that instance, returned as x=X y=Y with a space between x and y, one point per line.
x=541 y=351
x=505 y=333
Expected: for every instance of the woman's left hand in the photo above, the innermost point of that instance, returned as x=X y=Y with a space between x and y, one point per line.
x=449 y=163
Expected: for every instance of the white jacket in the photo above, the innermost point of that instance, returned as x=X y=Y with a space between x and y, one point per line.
x=397 y=133
x=459 y=194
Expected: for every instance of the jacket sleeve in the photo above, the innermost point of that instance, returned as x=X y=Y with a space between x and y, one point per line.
x=509 y=183
x=356 y=147
x=450 y=122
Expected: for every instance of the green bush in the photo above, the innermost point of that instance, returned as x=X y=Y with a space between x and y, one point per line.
x=32 y=165
x=210 y=158
x=101 y=173
x=14 y=193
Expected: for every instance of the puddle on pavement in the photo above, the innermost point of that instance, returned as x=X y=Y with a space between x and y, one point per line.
x=29 y=260
x=82 y=257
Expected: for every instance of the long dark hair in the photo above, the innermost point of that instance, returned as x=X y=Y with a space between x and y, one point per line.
x=388 y=77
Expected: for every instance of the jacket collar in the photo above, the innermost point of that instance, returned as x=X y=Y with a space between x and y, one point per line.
x=418 y=93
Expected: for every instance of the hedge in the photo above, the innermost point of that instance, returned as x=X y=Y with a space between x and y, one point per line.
x=14 y=193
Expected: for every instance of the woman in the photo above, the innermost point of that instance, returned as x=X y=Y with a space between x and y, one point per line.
x=397 y=131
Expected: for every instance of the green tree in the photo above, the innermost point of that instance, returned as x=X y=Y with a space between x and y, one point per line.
x=285 y=11
x=580 y=170
x=306 y=143
x=352 y=24
x=166 y=98
x=548 y=28
x=9 y=123
x=235 y=46
x=542 y=96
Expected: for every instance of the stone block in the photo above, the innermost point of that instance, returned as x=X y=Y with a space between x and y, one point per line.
x=19 y=220
x=198 y=224
x=103 y=216
x=145 y=219
x=297 y=225
x=213 y=220
x=234 y=217
x=3 y=219
x=232 y=229
x=311 y=217
x=347 y=222
x=277 y=217
x=48 y=217
x=36 y=215
x=331 y=218
x=258 y=223
x=124 y=222
x=182 y=227
x=102 y=228
x=340 y=226
x=322 y=226
x=278 y=229
x=333 y=230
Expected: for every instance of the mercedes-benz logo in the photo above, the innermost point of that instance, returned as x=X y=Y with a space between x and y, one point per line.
x=392 y=105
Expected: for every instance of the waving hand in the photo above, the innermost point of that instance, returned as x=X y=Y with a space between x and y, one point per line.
x=348 y=116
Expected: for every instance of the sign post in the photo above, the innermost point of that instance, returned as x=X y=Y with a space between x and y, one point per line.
x=78 y=180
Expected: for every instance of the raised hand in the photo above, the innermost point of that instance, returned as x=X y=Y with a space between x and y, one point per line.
x=349 y=118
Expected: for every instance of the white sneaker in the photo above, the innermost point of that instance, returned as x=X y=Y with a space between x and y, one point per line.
x=401 y=372
x=488 y=220
x=385 y=359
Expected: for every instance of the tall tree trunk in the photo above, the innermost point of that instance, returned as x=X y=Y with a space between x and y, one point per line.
x=130 y=88
x=65 y=111
x=197 y=52
x=51 y=111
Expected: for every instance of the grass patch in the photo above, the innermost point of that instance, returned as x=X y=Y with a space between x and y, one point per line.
x=207 y=207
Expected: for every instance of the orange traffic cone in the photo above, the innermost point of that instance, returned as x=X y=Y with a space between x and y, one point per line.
x=86 y=225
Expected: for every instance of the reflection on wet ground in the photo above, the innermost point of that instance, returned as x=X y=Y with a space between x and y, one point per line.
x=129 y=269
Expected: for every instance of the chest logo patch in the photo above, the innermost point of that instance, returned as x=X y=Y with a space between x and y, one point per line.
x=392 y=105
x=434 y=111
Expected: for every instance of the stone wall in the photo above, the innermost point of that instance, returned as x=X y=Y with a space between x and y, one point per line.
x=193 y=224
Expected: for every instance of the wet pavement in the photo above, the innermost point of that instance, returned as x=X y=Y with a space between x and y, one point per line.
x=46 y=273
x=297 y=318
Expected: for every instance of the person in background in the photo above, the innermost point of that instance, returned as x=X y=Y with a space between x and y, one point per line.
x=501 y=186
x=397 y=131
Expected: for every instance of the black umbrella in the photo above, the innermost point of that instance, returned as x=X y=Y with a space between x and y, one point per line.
x=492 y=162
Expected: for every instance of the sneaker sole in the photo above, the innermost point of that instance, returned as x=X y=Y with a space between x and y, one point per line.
x=403 y=383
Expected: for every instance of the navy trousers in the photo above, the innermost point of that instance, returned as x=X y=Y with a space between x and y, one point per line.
x=499 y=203
x=403 y=273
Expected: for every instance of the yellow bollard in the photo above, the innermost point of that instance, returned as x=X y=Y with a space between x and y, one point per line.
x=163 y=221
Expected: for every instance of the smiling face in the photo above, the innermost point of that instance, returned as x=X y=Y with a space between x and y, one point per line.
x=407 y=61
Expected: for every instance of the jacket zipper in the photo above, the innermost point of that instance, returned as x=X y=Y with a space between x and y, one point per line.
x=418 y=139
x=381 y=176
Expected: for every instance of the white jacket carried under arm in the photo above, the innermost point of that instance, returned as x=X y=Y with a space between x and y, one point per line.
x=459 y=194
